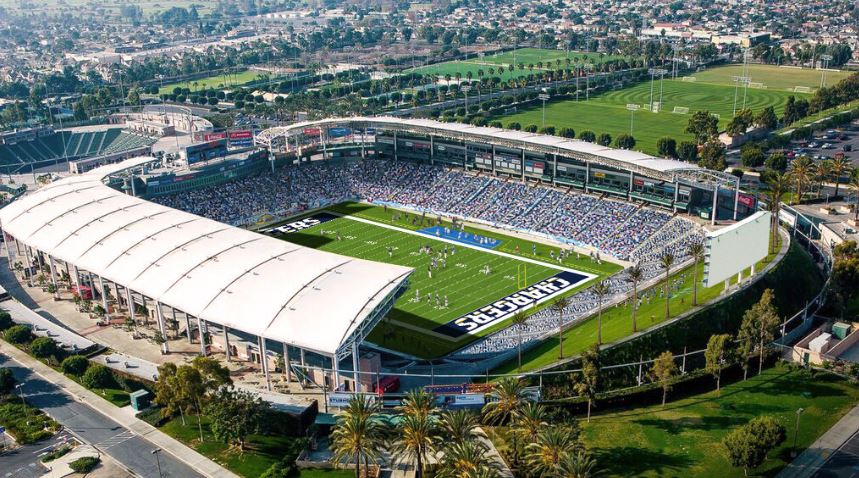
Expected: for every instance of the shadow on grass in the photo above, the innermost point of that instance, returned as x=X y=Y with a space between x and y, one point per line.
x=312 y=241
x=630 y=461
x=680 y=425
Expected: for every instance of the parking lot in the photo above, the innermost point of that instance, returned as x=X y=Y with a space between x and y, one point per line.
x=830 y=144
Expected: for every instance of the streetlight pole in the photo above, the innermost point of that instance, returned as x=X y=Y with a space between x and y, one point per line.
x=796 y=431
x=158 y=461
x=543 y=97
x=465 y=89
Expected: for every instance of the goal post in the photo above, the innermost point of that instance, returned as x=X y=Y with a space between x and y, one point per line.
x=802 y=89
x=681 y=110
x=690 y=79
x=521 y=276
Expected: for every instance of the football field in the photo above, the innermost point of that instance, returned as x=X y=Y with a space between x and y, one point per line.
x=467 y=275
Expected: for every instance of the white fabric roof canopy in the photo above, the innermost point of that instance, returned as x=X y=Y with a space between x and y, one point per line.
x=222 y=274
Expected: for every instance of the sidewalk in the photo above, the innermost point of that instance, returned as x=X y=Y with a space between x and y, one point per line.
x=170 y=445
x=812 y=459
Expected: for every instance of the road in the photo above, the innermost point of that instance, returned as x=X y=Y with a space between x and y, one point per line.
x=844 y=462
x=24 y=461
x=124 y=446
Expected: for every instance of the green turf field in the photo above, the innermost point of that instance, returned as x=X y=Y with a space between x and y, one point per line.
x=772 y=77
x=215 y=81
x=524 y=56
x=607 y=112
x=407 y=327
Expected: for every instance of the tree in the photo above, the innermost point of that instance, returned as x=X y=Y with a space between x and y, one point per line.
x=531 y=128
x=663 y=371
x=776 y=161
x=74 y=365
x=703 y=126
x=840 y=166
x=666 y=147
x=696 y=251
x=213 y=375
x=591 y=380
x=769 y=432
x=778 y=184
x=559 y=306
x=688 y=151
x=747 y=446
x=235 y=414
x=6 y=319
x=577 y=465
x=190 y=390
x=508 y=400
x=552 y=445
x=625 y=141
x=18 y=334
x=98 y=376
x=666 y=261
x=715 y=356
x=713 y=156
x=466 y=459
x=587 y=135
x=44 y=347
x=167 y=392
x=358 y=433
x=514 y=126
x=752 y=155
x=601 y=289
x=567 y=132
x=519 y=319
x=801 y=171
x=604 y=139
x=458 y=425
x=7 y=381
x=766 y=118
x=634 y=275
x=415 y=442
x=758 y=328
x=740 y=122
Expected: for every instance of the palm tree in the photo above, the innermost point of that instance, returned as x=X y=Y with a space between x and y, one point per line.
x=508 y=401
x=577 y=465
x=823 y=172
x=666 y=261
x=519 y=319
x=778 y=184
x=458 y=425
x=696 y=250
x=634 y=275
x=418 y=402
x=358 y=434
x=416 y=430
x=840 y=165
x=559 y=306
x=552 y=446
x=801 y=171
x=467 y=459
x=530 y=420
x=854 y=183
x=600 y=289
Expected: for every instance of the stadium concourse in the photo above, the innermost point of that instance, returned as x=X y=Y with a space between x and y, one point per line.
x=137 y=255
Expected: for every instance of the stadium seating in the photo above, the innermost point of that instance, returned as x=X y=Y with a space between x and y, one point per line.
x=61 y=146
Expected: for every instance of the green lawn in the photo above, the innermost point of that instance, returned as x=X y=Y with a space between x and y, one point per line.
x=524 y=56
x=320 y=473
x=108 y=8
x=607 y=112
x=466 y=288
x=772 y=77
x=617 y=321
x=260 y=451
x=215 y=81
x=684 y=438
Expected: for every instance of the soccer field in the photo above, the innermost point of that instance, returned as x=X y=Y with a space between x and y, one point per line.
x=215 y=81
x=771 y=77
x=607 y=112
x=413 y=325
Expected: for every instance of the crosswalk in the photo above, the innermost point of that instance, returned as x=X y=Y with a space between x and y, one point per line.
x=115 y=440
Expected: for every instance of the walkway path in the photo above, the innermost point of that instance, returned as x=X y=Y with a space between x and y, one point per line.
x=835 y=453
x=111 y=430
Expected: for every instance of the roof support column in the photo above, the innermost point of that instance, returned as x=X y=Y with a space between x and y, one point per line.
x=676 y=195
x=29 y=267
x=130 y=299
x=631 y=176
x=715 y=198
x=587 y=174
x=200 y=323
x=432 y=150
x=187 y=323
x=159 y=316
x=226 y=331
x=522 y=165
x=322 y=140
x=17 y=248
x=493 y=160
x=356 y=374
x=118 y=302
x=286 y=362
x=103 y=297
x=395 y=145
x=263 y=358
x=77 y=276
x=464 y=155
x=554 y=169
x=736 y=198
x=335 y=365
x=53 y=267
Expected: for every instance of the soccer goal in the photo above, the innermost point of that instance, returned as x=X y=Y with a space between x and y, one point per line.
x=802 y=89
x=681 y=110
x=759 y=86
x=690 y=79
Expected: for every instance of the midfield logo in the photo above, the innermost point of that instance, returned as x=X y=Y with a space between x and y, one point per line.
x=301 y=224
x=505 y=308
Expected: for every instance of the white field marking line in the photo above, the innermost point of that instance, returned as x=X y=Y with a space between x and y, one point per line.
x=588 y=275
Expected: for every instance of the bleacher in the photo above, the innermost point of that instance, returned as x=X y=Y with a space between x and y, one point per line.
x=63 y=146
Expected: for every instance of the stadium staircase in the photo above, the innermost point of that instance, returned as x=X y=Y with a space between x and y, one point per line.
x=536 y=202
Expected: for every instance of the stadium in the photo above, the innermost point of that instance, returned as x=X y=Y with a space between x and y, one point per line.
x=366 y=245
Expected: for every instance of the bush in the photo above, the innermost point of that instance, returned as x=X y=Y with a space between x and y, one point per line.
x=286 y=466
x=5 y=320
x=85 y=464
x=98 y=376
x=18 y=334
x=153 y=416
x=7 y=381
x=44 y=347
x=75 y=365
x=56 y=453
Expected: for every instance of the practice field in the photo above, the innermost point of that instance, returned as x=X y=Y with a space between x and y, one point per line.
x=607 y=112
x=525 y=56
x=770 y=76
x=215 y=81
x=414 y=325
x=109 y=8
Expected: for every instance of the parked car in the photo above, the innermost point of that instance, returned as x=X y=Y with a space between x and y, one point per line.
x=847 y=147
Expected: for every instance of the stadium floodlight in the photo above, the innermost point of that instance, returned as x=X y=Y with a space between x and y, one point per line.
x=544 y=97
x=738 y=80
x=632 y=107
x=465 y=89
x=653 y=72
x=825 y=59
